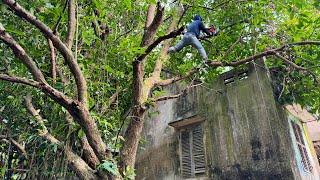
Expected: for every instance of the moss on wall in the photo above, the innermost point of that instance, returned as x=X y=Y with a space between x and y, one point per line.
x=246 y=133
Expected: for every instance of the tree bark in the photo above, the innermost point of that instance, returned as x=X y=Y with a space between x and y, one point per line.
x=72 y=23
x=58 y=44
x=79 y=166
x=132 y=137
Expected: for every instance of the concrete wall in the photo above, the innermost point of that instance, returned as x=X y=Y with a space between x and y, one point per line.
x=246 y=129
x=157 y=155
x=246 y=134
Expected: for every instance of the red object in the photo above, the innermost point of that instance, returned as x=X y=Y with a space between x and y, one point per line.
x=212 y=29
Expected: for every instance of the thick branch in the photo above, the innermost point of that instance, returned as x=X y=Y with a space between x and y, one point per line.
x=88 y=153
x=263 y=54
x=61 y=47
x=76 y=109
x=151 y=28
x=150 y=15
x=245 y=60
x=164 y=51
x=59 y=97
x=141 y=91
x=172 y=34
x=75 y=162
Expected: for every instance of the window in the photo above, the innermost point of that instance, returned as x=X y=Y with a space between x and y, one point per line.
x=302 y=147
x=230 y=78
x=316 y=145
x=192 y=155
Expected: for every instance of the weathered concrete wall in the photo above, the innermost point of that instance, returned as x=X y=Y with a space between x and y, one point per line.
x=246 y=134
x=157 y=155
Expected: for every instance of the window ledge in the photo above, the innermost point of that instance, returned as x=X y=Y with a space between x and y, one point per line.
x=187 y=121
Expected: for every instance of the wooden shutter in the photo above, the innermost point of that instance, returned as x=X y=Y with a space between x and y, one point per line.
x=302 y=147
x=192 y=152
x=185 y=154
x=198 y=151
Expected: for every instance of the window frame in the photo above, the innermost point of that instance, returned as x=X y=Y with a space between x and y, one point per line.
x=302 y=148
x=194 y=173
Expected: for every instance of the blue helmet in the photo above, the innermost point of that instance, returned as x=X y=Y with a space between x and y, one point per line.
x=197 y=17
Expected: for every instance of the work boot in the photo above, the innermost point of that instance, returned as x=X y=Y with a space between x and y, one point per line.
x=171 y=50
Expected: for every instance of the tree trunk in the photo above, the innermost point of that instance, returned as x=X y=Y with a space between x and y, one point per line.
x=132 y=137
x=78 y=166
x=133 y=132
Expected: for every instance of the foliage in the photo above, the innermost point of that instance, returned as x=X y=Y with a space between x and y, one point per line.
x=109 y=167
x=246 y=28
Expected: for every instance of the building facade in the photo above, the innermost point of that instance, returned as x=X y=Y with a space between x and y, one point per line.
x=230 y=129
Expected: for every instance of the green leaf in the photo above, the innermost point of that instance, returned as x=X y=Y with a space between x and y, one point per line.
x=109 y=167
x=81 y=133
x=129 y=173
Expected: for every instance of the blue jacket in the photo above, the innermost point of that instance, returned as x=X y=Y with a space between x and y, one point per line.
x=196 y=26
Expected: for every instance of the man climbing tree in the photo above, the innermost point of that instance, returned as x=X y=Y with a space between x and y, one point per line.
x=88 y=69
x=191 y=37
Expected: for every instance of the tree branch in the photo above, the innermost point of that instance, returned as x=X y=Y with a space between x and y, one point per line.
x=245 y=60
x=56 y=26
x=217 y=6
x=53 y=67
x=151 y=28
x=21 y=54
x=174 y=79
x=260 y=55
x=54 y=94
x=75 y=162
x=172 y=34
x=19 y=146
x=61 y=47
x=289 y=62
x=20 y=80
x=71 y=23
x=183 y=92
